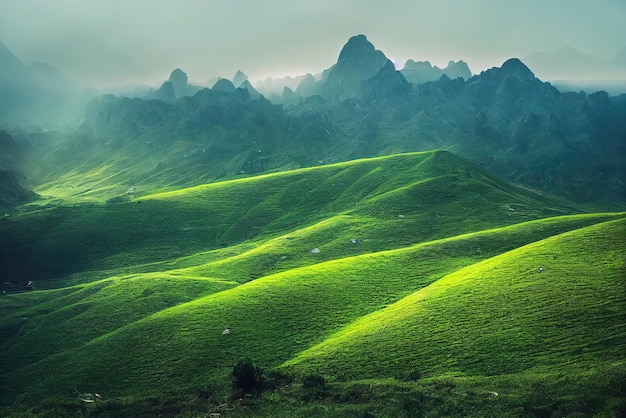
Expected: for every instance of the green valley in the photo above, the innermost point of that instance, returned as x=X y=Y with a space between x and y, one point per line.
x=413 y=284
x=360 y=242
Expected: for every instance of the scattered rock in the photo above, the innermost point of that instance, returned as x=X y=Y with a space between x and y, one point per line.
x=315 y=251
x=89 y=397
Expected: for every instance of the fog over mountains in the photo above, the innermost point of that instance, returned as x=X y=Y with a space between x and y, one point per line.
x=179 y=134
x=569 y=64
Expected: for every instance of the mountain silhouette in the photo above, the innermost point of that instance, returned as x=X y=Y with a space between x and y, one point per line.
x=505 y=119
x=358 y=61
x=419 y=72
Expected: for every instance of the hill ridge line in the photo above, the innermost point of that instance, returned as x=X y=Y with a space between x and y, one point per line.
x=295 y=172
x=403 y=249
x=277 y=276
x=449 y=280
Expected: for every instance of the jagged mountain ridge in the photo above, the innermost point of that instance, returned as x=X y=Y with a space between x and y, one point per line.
x=504 y=118
x=422 y=71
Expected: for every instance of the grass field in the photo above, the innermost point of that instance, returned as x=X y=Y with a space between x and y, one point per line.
x=435 y=286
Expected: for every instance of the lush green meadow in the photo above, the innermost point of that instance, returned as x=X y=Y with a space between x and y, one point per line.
x=435 y=290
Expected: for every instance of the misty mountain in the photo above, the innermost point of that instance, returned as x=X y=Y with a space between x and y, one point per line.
x=422 y=71
x=272 y=87
x=175 y=87
x=612 y=87
x=37 y=94
x=239 y=78
x=254 y=94
x=12 y=156
x=358 y=61
x=505 y=119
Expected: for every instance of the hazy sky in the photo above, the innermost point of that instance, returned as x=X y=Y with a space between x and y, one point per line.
x=111 y=42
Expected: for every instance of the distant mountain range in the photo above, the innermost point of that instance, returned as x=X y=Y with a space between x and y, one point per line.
x=504 y=119
x=37 y=95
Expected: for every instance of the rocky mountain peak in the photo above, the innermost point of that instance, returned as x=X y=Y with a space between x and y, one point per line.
x=356 y=47
x=419 y=72
x=178 y=76
x=515 y=66
x=456 y=69
x=254 y=94
x=358 y=61
x=179 y=79
x=239 y=78
x=387 y=86
x=225 y=85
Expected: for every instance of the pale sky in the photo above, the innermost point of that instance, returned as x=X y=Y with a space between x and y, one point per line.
x=116 y=42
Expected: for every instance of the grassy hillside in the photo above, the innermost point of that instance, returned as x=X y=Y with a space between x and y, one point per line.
x=392 y=201
x=427 y=267
x=557 y=301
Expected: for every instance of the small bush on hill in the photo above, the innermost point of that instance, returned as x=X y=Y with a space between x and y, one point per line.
x=312 y=381
x=247 y=377
x=409 y=376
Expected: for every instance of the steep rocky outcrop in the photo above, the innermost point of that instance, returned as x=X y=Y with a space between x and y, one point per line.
x=175 y=87
x=309 y=86
x=225 y=85
x=421 y=72
x=239 y=78
x=358 y=61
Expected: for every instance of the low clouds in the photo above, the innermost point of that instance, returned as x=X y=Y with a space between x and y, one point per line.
x=106 y=43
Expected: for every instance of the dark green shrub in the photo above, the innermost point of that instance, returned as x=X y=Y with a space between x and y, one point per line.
x=414 y=375
x=247 y=377
x=313 y=381
x=314 y=387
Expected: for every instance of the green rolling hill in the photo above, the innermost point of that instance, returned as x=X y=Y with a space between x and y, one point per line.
x=387 y=201
x=425 y=264
x=502 y=315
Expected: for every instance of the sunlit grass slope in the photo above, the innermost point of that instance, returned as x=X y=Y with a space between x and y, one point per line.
x=271 y=319
x=35 y=327
x=139 y=293
x=83 y=169
x=553 y=306
x=391 y=201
